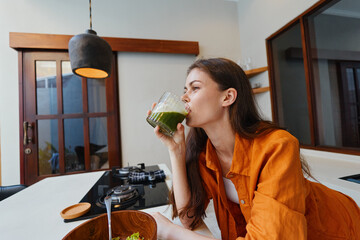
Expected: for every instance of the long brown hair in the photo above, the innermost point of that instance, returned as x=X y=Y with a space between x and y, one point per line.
x=245 y=120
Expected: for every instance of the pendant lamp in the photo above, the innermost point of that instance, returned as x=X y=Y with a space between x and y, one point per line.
x=90 y=55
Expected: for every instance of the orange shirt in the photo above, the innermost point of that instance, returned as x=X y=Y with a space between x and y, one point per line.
x=276 y=201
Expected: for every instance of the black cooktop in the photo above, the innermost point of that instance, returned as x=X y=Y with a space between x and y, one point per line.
x=135 y=196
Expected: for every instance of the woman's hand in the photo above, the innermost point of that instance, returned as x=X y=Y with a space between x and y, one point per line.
x=175 y=144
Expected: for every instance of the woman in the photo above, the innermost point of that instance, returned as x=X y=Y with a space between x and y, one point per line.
x=250 y=168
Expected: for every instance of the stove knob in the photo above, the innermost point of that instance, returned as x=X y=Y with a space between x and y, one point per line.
x=142 y=165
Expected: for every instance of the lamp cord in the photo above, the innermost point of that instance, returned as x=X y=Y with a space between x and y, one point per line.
x=90 y=15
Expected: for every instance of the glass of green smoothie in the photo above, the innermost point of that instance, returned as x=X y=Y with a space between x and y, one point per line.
x=167 y=113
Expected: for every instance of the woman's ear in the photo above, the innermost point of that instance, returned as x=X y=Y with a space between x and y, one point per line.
x=230 y=95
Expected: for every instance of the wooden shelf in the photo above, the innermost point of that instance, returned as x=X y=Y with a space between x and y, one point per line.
x=260 y=90
x=255 y=71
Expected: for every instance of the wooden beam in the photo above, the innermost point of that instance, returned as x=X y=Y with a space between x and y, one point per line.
x=60 y=42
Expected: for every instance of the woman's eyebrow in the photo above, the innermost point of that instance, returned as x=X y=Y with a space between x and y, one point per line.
x=191 y=83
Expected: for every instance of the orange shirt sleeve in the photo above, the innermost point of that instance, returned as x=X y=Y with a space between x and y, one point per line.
x=278 y=206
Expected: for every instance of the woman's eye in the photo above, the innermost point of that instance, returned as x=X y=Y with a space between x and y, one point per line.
x=192 y=89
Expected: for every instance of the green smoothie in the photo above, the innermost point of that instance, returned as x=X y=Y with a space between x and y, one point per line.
x=166 y=120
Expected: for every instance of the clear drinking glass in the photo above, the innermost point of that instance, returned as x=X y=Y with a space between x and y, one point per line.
x=167 y=113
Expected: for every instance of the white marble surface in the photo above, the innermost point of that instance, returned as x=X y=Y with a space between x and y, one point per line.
x=328 y=171
x=34 y=213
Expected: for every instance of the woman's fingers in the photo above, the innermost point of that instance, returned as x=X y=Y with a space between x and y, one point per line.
x=179 y=135
x=165 y=139
x=152 y=107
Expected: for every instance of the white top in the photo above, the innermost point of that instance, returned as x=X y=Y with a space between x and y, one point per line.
x=230 y=190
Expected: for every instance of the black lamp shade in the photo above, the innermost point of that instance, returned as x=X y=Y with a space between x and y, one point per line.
x=90 y=55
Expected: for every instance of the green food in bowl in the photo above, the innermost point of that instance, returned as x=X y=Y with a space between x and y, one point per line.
x=134 y=236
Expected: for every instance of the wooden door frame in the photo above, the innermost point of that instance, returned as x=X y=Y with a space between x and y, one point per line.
x=35 y=41
x=29 y=162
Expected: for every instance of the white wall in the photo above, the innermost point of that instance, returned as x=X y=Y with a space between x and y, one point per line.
x=142 y=77
x=141 y=88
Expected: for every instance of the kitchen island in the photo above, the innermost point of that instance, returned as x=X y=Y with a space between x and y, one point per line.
x=34 y=213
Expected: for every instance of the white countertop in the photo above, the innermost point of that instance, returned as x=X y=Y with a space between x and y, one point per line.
x=34 y=213
x=329 y=170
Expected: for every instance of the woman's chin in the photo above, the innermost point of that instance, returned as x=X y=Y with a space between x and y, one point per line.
x=188 y=122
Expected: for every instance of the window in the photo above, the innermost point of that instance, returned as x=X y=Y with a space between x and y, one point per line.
x=314 y=64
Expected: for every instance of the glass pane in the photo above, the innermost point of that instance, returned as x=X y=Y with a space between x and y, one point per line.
x=350 y=122
x=334 y=41
x=357 y=73
x=98 y=143
x=74 y=145
x=48 y=154
x=290 y=84
x=46 y=97
x=96 y=95
x=72 y=91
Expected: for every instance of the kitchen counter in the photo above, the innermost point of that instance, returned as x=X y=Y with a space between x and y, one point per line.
x=329 y=170
x=34 y=213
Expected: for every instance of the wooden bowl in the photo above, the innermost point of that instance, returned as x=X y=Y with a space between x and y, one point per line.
x=123 y=224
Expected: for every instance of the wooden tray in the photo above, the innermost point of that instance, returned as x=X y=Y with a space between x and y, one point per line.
x=75 y=211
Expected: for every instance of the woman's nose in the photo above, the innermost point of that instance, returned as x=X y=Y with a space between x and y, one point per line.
x=185 y=98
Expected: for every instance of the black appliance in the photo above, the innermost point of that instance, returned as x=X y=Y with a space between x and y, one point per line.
x=131 y=188
x=352 y=178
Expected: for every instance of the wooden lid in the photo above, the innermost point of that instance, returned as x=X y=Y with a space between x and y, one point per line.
x=75 y=211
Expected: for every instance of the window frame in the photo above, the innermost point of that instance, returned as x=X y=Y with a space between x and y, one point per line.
x=309 y=77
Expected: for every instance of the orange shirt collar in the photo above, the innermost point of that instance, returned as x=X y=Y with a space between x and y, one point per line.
x=241 y=157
